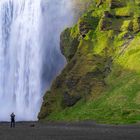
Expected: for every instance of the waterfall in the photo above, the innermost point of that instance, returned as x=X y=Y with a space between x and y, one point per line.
x=30 y=56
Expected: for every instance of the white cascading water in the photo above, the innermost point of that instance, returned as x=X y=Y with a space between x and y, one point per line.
x=30 y=56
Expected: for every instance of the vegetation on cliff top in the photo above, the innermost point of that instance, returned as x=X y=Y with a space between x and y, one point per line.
x=102 y=78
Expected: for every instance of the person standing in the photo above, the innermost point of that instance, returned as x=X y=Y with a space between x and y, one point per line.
x=12 y=120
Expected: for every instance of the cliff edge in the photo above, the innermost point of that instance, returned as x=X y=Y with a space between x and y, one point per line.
x=101 y=80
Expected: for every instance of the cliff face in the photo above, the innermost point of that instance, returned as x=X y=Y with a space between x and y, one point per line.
x=101 y=80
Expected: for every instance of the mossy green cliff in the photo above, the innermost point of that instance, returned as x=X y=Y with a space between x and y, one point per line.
x=101 y=80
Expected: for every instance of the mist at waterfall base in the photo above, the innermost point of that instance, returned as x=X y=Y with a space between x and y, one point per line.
x=30 y=56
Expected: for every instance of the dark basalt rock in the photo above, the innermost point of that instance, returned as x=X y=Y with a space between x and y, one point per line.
x=84 y=27
x=105 y=24
x=83 y=36
x=58 y=83
x=68 y=45
x=116 y=4
x=107 y=14
x=100 y=2
x=87 y=23
x=69 y=100
x=72 y=82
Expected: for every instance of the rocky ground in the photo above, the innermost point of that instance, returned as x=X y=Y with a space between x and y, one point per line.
x=68 y=131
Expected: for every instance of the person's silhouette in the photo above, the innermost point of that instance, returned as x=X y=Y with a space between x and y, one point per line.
x=12 y=120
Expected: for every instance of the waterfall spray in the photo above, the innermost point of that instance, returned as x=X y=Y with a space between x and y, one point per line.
x=30 y=56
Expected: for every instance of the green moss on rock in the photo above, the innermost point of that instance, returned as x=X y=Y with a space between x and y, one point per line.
x=136 y=24
x=102 y=78
x=69 y=42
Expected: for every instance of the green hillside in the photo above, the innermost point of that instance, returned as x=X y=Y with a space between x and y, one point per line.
x=101 y=80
